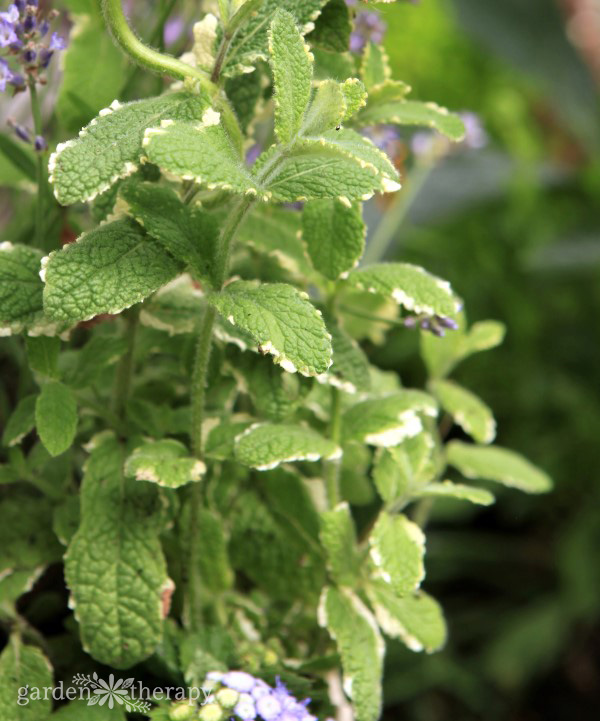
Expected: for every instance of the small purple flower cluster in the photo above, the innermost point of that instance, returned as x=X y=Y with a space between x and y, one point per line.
x=22 y=37
x=258 y=700
x=368 y=27
x=436 y=324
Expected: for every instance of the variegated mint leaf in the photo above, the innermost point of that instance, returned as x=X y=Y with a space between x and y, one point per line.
x=410 y=286
x=397 y=549
x=355 y=95
x=401 y=472
x=105 y=271
x=458 y=491
x=110 y=147
x=353 y=628
x=266 y=446
x=282 y=322
x=291 y=62
x=467 y=410
x=334 y=233
x=375 y=66
x=350 y=369
x=338 y=537
x=114 y=565
x=165 y=462
x=175 y=309
x=327 y=109
x=413 y=112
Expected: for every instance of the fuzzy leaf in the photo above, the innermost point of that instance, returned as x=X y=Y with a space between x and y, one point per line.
x=110 y=147
x=213 y=559
x=401 y=472
x=332 y=28
x=114 y=565
x=56 y=417
x=467 y=410
x=327 y=109
x=21 y=421
x=492 y=463
x=166 y=463
x=338 y=536
x=334 y=235
x=397 y=548
x=355 y=95
x=352 y=626
x=459 y=491
x=24 y=667
x=107 y=270
x=375 y=66
x=175 y=309
x=389 y=420
x=281 y=321
x=416 y=619
x=410 y=286
x=413 y=112
x=20 y=288
x=291 y=62
x=350 y=368
x=267 y=446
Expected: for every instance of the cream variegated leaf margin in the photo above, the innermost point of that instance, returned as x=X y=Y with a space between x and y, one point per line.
x=467 y=410
x=397 y=549
x=166 y=463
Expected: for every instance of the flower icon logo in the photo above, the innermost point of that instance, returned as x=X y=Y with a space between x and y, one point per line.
x=111 y=693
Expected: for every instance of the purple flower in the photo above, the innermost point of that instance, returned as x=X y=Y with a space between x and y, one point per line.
x=245 y=707
x=239 y=681
x=269 y=707
x=12 y=14
x=57 y=43
x=385 y=137
x=173 y=29
x=475 y=136
x=7 y=33
x=4 y=74
x=29 y=23
x=40 y=144
x=368 y=27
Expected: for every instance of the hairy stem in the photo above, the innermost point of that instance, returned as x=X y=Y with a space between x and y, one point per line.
x=332 y=468
x=125 y=367
x=42 y=177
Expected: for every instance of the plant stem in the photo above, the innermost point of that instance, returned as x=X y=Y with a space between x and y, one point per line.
x=125 y=367
x=42 y=179
x=225 y=43
x=332 y=468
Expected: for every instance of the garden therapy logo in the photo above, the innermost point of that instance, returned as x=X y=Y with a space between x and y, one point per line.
x=115 y=692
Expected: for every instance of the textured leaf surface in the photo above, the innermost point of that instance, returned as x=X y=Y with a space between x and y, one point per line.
x=291 y=62
x=332 y=28
x=355 y=95
x=42 y=354
x=397 y=548
x=350 y=368
x=21 y=421
x=416 y=619
x=402 y=471
x=334 y=235
x=467 y=410
x=459 y=491
x=389 y=420
x=269 y=445
x=114 y=565
x=327 y=109
x=56 y=417
x=375 y=65
x=492 y=463
x=413 y=112
x=361 y=648
x=166 y=463
x=109 y=147
x=338 y=537
x=175 y=309
x=213 y=558
x=281 y=321
x=20 y=288
x=21 y=667
x=107 y=270
x=410 y=286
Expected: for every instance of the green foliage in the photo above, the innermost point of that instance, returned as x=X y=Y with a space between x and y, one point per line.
x=21 y=666
x=56 y=417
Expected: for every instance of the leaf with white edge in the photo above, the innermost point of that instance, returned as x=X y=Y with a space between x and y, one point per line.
x=355 y=95
x=350 y=368
x=338 y=537
x=353 y=628
x=416 y=619
x=188 y=234
x=166 y=463
x=20 y=288
x=375 y=65
x=282 y=322
x=334 y=233
x=24 y=667
x=56 y=417
x=410 y=286
x=107 y=270
x=332 y=28
x=110 y=147
x=414 y=113
x=175 y=309
x=327 y=109
x=114 y=565
x=397 y=548
x=21 y=421
x=291 y=62
x=467 y=410
x=492 y=463
x=387 y=421
x=459 y=491
x=401 y=472
x=390 y=90
x=266 y=446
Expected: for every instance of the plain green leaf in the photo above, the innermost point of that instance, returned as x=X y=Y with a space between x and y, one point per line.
x=338 y=536
x=56 y=417
x=281 y=321
x=166 y=463
x=332 y=28
x=109 y=269
x=98 y=354
x=268 y=445
x=397 y=548
x=42 y=354
x=467 y=410
x=20 y=288
x=459 y=491
x=78 y=710
x=20 y=159
x=350 y=368
x=492 y=463
x=334 y=233
x=21 y=421
x=213 y=558
x=24 y=666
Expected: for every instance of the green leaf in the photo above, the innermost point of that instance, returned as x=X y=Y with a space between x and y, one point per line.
x=334 y=233
x=80 y=709
x=98 y=354
x=281 y=321
x=332 y=28
x=352 y=626
x=402 y=471
x=338 y=536
x=114 y=565
x=291 y=62
x=375 y=66
x=492 y=463
x=266 y=446
x=355 y=95
x=397 y=548
x=202 y=153
x=416 y=619
x=188 y=234
x=413 y=112
x=336 y=66
x=244 y=92
x=20 y=288
x=19 y=156
x=42 y=355
x=327 y=109
x=21 y=421
x=107 y=270
x=175 y=309
x=459 y=491
x=410 y=286
x=56 y=417
x=213 y=558
x=289 y=498
x=467 y=410
x=166 y=463
x=24 y=667
x=350 y=368
x=387 y=421
x=110 y=147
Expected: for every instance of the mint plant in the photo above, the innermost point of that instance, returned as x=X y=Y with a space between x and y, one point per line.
x=200 y=455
